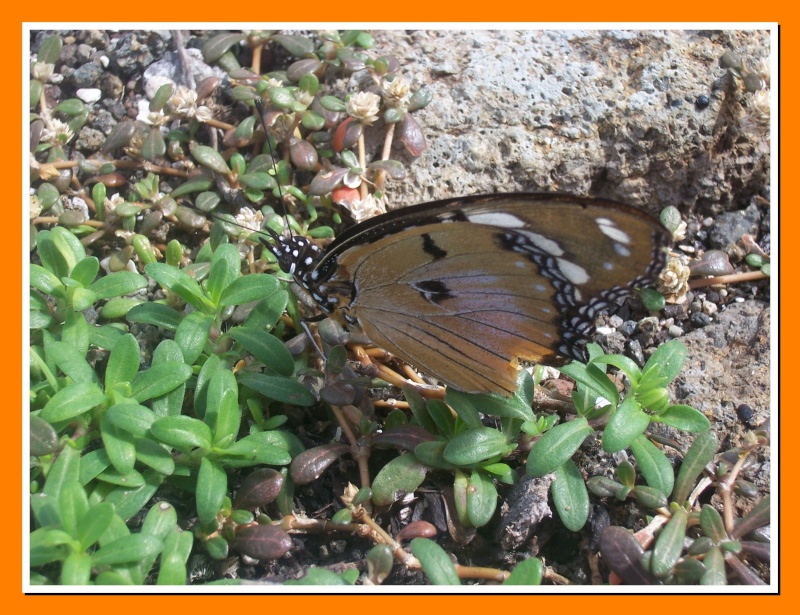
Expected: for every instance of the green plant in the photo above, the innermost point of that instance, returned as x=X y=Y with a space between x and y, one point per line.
x=624 y=424
x=687 y=543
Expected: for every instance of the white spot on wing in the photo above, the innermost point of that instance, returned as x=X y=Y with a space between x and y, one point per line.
x=574 y=273
x=621 y=250
x=543 y=243
x=612 y=231
x=503 y=220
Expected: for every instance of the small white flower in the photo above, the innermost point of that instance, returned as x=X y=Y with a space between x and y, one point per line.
x=368 y=207
x=303 y=97
x=757 y=117
x=251 y=221
x=204 y=114
x=56 y=132
x=679 y=234
x=673 y=282
x=395 y=92
x=364 y=107
x=42 y=71
x=183 y=102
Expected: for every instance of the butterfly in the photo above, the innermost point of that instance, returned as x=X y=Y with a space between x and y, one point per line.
x=464 y=288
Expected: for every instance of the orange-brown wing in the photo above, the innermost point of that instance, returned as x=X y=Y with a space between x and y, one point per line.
x=463 y=298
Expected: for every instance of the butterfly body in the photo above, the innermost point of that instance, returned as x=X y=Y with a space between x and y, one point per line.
x=464 y=288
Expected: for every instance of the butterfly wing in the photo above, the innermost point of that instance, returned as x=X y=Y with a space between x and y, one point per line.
x=464 y=288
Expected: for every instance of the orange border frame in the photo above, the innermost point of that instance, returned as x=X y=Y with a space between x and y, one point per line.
x=411 y=10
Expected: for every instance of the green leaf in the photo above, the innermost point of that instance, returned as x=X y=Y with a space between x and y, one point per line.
x=131 y=417
x=192 y=335
x=154 y=455
x=43 y=438
x=624 y=426
x=50 y=49
x=556 y=446
x=481 y=499
x=257 y=449
x=431 y=454
x=621 y=362
x=222 y=407
x=400 y=476
x=265 y=347
x=669 y=543
x=527 y=572
x=476 y=445
x=76 y=569
x=249 y=288
x=118 y=284
x=92 y=525
x=195 y=184
x=180 y=283
x=119 y=445
x=85 y=270
x=177 y=548
x=685 y=418
x=154 y=314
x=159 y=379
x=278 y=388
x=712 y=525
x=570 y=496
x=216 y=47
x=76 y=332
x=209 y=157
x=435 y=562
x=654 y=465
x=715 y=568
x=43 y=280
x=127 y=502
x=268 y=311
x=700 y=453
x=123 y=362
x=443 y=417
x=153 y=146
x=593 y=378
x=72 y=505
x=169 y=404
x=296 y=45
x=668 y=359
x=182 y=432
x=82 y=299
x=72 y=401
x=517 y=406
x=70 y=361
x=212 y=486
x=128 y=549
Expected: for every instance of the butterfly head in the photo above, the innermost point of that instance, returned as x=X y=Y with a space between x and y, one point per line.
x=298 y=257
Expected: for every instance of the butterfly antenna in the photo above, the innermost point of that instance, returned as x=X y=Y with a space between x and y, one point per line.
x=261 y=114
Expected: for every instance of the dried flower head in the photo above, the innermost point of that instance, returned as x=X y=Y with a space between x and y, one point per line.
x=395 y=92
x=673 y=282
x=183 y=102
x=679 y=234
x=204 y=114
x=368 y=207
x=364 y=107
x=757 y=118
x=56 y=132
x=42 y=71
x=251 y=220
